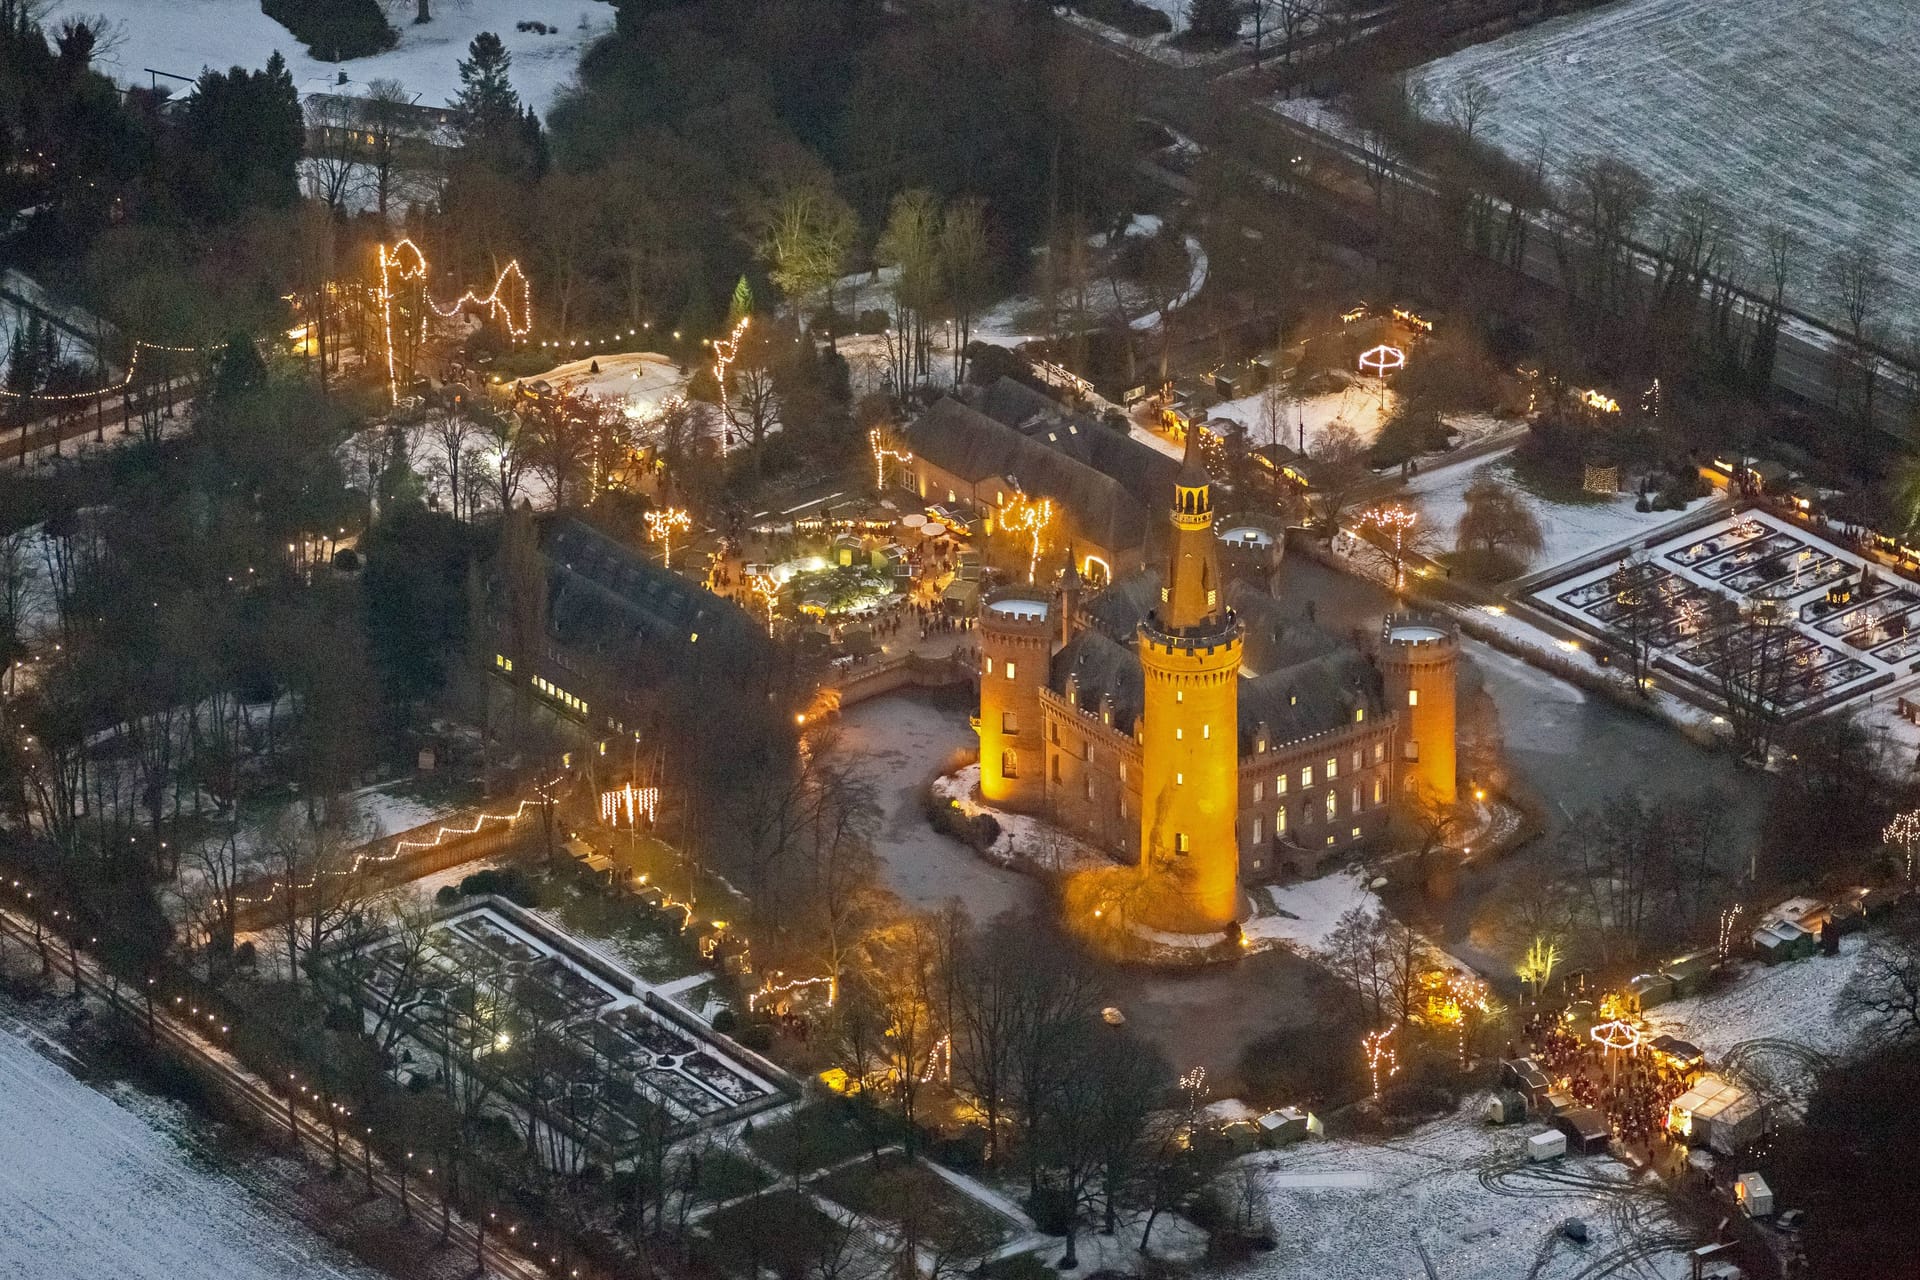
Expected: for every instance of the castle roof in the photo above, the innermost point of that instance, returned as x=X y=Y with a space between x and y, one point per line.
x=1308 y=698
x=967 y=443
x=1109 y=483
x=610 y=604
x=1100 y=665
x=1301 y=679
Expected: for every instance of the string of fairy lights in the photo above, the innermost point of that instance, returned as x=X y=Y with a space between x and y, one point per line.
x=106 y=389
x=403 y=847
x=404 y=264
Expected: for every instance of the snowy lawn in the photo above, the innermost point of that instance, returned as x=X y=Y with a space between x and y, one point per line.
x=1790 y=113
x=1797 y=1001
x=1302 y=915
x=89 y=1188
x=1570 y=530
x=641 y=381
x=1462 y=1192
x=183 y=36
x=1363 y=405
x=1024 y=840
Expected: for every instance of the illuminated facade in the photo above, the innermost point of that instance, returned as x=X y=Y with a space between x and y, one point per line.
x=1197 y=726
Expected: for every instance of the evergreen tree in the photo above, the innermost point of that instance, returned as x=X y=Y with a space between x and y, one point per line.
x=238 y=369
x=1217 y=20
x=489 y=108
x=247 y=133
x=742 y=304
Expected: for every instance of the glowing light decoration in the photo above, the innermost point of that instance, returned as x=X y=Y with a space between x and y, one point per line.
x=1381 y=1055
x=629 y=804
x=1537 y=969
x=883 y=454
x=404 y=847
x=661 y=523
x=1617 y=1036
x=1727 y=919
x=768 y=592
x=939 y=1061
x=1413 y=319
x=1904 y=832
x=1452 y=1004
x=1026 y=516
x=724 y=354
x=770 y=988
x=133 y=363
x=1396 y=522
x=1382 y=360
x=404 y=263
x=1602 y=403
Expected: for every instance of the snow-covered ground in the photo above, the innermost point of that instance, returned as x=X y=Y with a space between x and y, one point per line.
x=1303 y=914
x=91 y=1188
x=14 y=317
x=1364 y=405
x=640 y=380
x=1569 y=530
x=1024 y=839
x=1462 y=1192
x=1196 y=281
x=1798 y=1000
x=1785 y=112
x=182 y=37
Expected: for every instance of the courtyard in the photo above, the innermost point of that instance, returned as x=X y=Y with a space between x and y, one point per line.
x=491 y=993
x=1849 y=626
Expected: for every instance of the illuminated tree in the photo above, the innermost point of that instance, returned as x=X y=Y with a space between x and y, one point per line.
x=1536 y=970
x=806 y=233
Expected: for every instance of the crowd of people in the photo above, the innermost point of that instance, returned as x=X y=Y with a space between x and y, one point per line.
x=1631 y=1087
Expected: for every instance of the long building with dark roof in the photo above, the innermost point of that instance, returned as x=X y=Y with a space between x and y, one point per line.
x=1014 y=440
x=1191 y=722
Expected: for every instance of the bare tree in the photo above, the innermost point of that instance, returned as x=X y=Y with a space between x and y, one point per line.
x=1498 y=523
x=1884 y=991
x=333 y=156
x=452 y=430
x=1469 y=105
x=382 y=115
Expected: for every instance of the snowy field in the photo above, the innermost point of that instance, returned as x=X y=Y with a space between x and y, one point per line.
x=1356 y=1209
x=1303 y=914
x=184 y=36
x=1798 y=1001
x=1570 y=530
x=1783 y=111
x=91 y=1188
x=641 y=381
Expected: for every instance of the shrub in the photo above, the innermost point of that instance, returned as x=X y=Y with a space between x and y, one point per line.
x=504 y=882
x=874 y=320
x=1051 y=1209
x=447 y=896
x=1129 y=16
x=334 y=30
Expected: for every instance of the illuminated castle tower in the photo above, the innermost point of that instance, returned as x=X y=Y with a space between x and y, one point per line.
x=1418 y=655
x=1190 y=657
x=1016 y=644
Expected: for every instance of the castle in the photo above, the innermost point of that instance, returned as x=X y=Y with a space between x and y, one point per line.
x=1192 y=723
